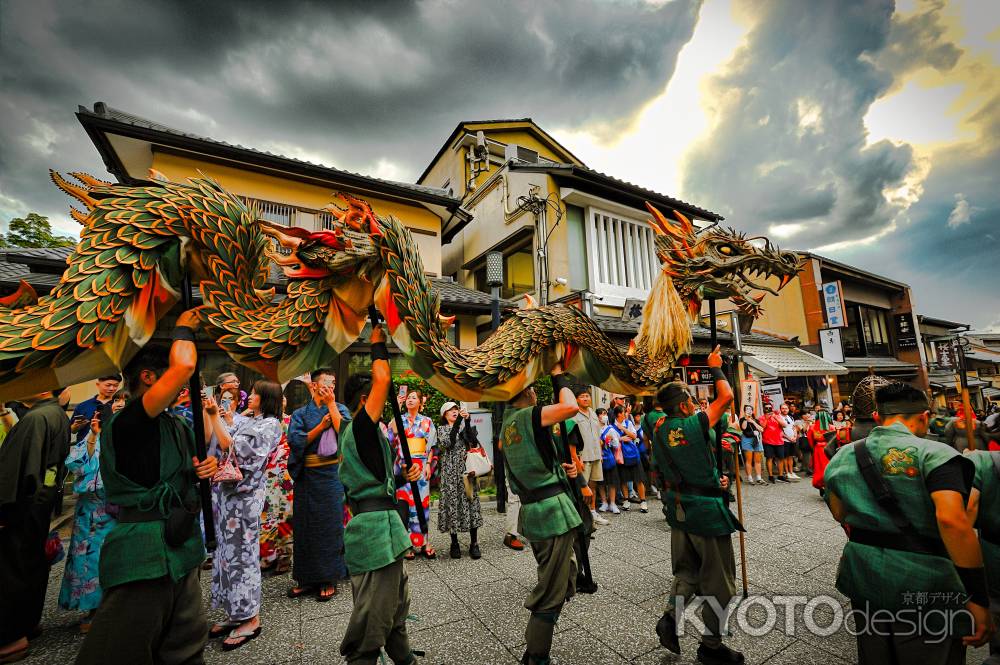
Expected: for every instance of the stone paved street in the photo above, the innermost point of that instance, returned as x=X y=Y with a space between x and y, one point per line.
x=470 y=612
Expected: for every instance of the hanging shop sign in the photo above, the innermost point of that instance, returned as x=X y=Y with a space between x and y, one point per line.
x=830 y=344
x=906 y=332
x=773 y=394
x=750 y=395
x=833 y=305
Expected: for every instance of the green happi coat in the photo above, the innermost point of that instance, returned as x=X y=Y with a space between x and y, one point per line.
x=376 y=539
x=684 y=442
x=552 y=516
x=987 y=481
x=888 y=578
x=136 y=551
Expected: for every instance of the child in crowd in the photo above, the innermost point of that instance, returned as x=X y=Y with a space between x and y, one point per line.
x=610 y=454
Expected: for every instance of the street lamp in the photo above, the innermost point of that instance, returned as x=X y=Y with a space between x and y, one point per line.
x=494 y=280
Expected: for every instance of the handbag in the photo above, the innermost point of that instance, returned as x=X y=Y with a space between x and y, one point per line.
x=476 y=462
x=228 y=471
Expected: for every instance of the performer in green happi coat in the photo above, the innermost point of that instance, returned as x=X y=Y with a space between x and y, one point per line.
x=695 y=501
x=984 y=512
x=549 y=518
x=375 y=539
x=913 y=568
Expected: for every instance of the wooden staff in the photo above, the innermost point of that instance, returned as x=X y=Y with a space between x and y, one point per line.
x=194 y=391
x=404 y=448
x=739 y=515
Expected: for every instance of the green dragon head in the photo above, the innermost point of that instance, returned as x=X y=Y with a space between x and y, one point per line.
x=719 y=263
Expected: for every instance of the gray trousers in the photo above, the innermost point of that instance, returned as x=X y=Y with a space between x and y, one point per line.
x=381 y=605
x=149 y=622
x=703 y=566
x=557 y=570
x=881 y=649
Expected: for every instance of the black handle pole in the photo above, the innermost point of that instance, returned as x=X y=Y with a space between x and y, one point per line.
x=404 y=448
x=578 y=499
x=198 y=422
x=713 y=342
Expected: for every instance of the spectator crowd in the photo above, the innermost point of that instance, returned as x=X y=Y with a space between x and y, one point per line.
x=278 y=501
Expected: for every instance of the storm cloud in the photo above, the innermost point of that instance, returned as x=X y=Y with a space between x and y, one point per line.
x=369 y=87
x=789 y=153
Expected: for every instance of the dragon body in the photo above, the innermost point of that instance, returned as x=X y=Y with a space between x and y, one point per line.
x=138 y=242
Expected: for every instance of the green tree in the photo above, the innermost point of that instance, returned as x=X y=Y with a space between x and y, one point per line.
x=33 y=230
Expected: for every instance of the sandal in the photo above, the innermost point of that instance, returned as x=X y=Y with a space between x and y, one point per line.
x=221 y=629
x=242 y=637
x=282 y=566
x=410 y=556
x=324 y=597
x=429 y=552
x=297 y=591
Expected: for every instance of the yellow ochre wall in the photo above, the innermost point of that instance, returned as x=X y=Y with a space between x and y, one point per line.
x=306 y=196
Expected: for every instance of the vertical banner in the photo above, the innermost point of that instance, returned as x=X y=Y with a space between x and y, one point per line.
x=750 y=395
x=833 y=305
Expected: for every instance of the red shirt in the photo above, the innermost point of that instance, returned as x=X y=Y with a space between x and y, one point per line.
x=772 y=431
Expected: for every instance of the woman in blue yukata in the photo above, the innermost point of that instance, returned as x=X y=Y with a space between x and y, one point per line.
x=420 y=439
x=236 y=578
x=81 y=589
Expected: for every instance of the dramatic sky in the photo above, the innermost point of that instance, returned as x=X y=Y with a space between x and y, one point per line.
x=866 y=131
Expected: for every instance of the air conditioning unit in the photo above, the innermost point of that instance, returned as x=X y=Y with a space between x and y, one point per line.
x=518 y=153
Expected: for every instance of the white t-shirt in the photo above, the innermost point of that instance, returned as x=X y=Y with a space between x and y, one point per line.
x=788 y=428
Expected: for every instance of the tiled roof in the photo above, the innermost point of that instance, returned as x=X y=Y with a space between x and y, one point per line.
x=37 y=255
x=105 y=112
x=789 y=361
x=616 y=183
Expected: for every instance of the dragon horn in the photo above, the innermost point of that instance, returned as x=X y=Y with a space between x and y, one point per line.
x=661 y=224
x=89 y=180
x=81 y=194
x=685 y=222
x=159 y=177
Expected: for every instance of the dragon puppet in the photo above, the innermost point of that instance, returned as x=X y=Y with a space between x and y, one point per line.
x=138 y=242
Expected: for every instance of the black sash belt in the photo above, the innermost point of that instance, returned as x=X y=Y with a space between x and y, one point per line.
x=373 y=505
x=131 y=514
x=543 y=492
x=903 y=542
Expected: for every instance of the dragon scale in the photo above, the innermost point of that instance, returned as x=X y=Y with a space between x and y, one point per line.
x=137 y=242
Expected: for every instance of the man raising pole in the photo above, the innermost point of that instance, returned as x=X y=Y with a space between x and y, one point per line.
x=694 y=501
x=375 y=538
x=548 y=516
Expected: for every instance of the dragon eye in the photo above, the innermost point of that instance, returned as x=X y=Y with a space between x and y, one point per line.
x=726 y=250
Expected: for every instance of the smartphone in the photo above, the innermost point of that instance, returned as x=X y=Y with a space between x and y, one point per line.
x=403 y=389
x=207 y=391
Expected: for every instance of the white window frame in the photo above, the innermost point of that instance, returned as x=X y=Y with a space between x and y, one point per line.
x=614 y=282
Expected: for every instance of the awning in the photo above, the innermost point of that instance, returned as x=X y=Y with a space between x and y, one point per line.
x=789 y=361
x=880 y=365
